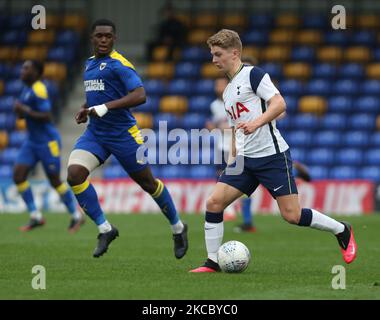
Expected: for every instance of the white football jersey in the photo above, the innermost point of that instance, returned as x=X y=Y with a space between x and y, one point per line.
x=245 y=99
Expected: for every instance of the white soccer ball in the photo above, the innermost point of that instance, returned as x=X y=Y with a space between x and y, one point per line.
x=233 y=256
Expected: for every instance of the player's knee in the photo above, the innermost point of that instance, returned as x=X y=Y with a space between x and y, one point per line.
x=214 y=204
x=291 y=215
x=148 y=185
x=18 y=176
x=76 y=175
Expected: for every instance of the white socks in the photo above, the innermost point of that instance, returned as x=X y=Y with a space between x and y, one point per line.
x=214 y=237
x=323 y=222
x=36 y=215
x=177 y=227
x=104 y=227
x=77 y=215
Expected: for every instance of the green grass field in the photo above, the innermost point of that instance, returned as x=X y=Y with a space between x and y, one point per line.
x=288 y=262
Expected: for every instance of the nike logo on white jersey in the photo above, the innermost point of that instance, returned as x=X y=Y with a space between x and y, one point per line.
x=278 y=188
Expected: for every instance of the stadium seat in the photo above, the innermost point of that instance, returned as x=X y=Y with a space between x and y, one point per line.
x=303 y=54
x=365 y=38
x=8 y=156
x=77 y=22
x=55 y=71
x=327 y=139
x=7 y=103
x=370 y=173
x=144 y=120
x=170 y=120
x=273 y=69
x=255 y=37
x=204 y=87
x=3 y=139
x=46 y=36
x=320 y=157
x=261 y=21
x=151 y=105
x=187 y=70
x=350 y=157
x=330 y=54
x=288 y=21
x=209 y=70
x=234 y=21
x=340 y=104
x=298 y=154
x=367 y=21
x=362 y=121
x=324 y=71
x=356 y=139
x=281 y=36
x=333 y=121
x=305 y=122
x=358 y=54
x=9 y=53
x=62 y=54
x=312 y=104
x=367 y=104
x=160 y=70
x=314 y=21
x=375 y=140
x=194 y=121
x=319 y=87
x=205 y=20
x=283 y=124
x=160 y=53
x=16 y=138
x=7 y=121
x=199 y=36
x=351 y=71
x=373 y=70
x=372 y=157
x=195 y=54
x=154 y=87
x=182 y=87
x=370 y=87
x=53 y=21
x=6 y=172
x=343 y=173
x=291 y=104
x=200 y=104
x=336 y=38
x=345 y=87
x=20 y=124
x=299 y=139
x=309 y=37
x=297 y=70
x=15 y=37
x=318 y=172
x=174 y=104
x=291 y=87
x=34 y=53
x=275 y=53
x=67 y=37
x=376 y=54
x=13 y=87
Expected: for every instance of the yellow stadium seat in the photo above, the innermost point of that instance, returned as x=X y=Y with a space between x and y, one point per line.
x=9 y=53
x=288 y=21
x=199 y=36
x=186 y=19
x=144 y=120
x=174 y=104
x=55 y=71
x=312 y=104
x=1 y=87
x=275 y=53
x=160 y=53
x=367 y=21
x=205 y=20
x=234 y=21
x=3 y=139
x=20 y=124
x=41 y=36
x=378 y=123
x=77 y=22
x=358 y=54
x=330 y=54
x=34 y=53
x=53 y=21
x=297 y=70
x=373 y=71
x=309 y=37
x=281 y=36
x=209 y=70
x=160 y=70
x=252 y=53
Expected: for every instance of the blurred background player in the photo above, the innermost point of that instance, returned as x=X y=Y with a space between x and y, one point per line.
x=113 y=86
x=42 y=145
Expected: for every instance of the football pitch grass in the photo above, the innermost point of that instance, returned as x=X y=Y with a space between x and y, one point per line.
x=288 y=262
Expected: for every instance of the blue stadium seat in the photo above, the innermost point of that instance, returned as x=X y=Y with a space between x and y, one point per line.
x=350 y=157
x=180 y=87
x=7 y=121
x=260 y=21
x=16 y=138
x=204 y=87
x=314 y=21
x=298 y=154
x=327 y=139
x=375 y=140
x=200 y=104
x=291 y=87
x=345 y=87
x=372 y=157
x=376 y=54
x=6 y=172
x=5 y=70
x=15 y=71
x=67 y=37
x=324 y=70
x=351 y=71
x=318 y=172
x=187 y=70
x=301 y=139
x=333 y=121
x=336 y=38
x=195 y=54
x=255 y=37
x=13 y=87
x=273 y=69
x=202 y=172
x=370 y=87
x=303 y=54
x=151 y=105
x=52 y=88
x=340 y=104
x=291 y=104
x=284 y=123
x=320 y=157
x=154 y=87
x=15 y=37
x=362 y=121
x=370 y=173
x=344 y=173
x=368 y=104
x=20 y=21
x=8 y=156
x=318 y=87
x=194 y=121
x=6 y=103
x=363 y=38
x=356 y=139
x=172 y=121
x=305 y=121
x=65 y=54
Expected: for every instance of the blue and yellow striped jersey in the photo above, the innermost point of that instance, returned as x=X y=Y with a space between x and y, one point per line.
x=106 y=79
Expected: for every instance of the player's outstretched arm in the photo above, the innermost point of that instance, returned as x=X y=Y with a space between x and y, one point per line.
x=132 y=99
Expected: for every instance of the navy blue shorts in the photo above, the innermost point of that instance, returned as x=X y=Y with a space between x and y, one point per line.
x=273 y=172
